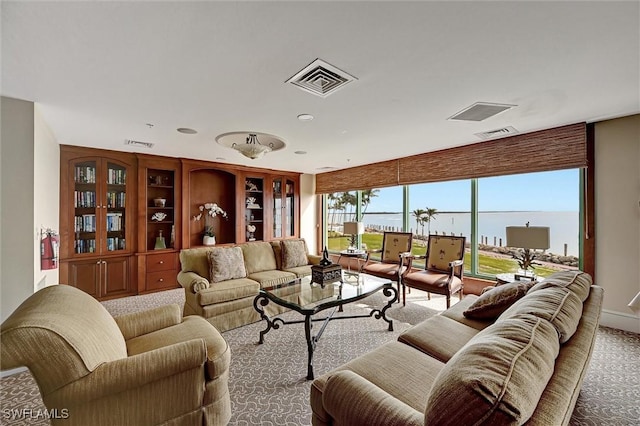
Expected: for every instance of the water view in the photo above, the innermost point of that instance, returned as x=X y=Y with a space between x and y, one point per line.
x=564 y=226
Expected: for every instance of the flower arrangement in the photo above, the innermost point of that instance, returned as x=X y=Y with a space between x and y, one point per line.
x=213 y=210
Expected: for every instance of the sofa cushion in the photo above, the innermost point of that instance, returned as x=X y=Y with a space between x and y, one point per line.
x=192 y=327
x=277 y=251
x=438 y=336
x=499 y=375
x=300 y=271
x=294 y=253
x=577 y=281
x=228 y=290
x=456 y=313
x=271 y=278
x=398 y=369
x=226 y=263
x=561 y=307
x=195 y=260
x=258 y=257
x=492 y=303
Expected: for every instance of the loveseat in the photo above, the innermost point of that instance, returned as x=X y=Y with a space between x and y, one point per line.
x=146 y=368
x=516 y=354
x=220 y=283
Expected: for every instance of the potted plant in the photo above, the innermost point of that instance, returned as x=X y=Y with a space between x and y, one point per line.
x=213 y=210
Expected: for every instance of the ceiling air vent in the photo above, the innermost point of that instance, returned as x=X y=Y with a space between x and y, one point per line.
x=321 y=78
x=480 y=111
x=505 y=131
x=138 y=143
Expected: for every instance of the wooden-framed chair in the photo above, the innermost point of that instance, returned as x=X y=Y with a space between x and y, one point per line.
x=394 y=259
x=444 y=268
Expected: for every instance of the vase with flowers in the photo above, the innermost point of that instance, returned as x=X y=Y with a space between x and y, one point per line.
x=210 y=211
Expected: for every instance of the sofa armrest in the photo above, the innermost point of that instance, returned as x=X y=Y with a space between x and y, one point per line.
x=353 y=400
x=139 y=323
x=314 y=259
x=112 y=378
x=192 y=281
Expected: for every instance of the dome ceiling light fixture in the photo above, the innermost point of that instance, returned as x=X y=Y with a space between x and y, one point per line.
x=248 y=144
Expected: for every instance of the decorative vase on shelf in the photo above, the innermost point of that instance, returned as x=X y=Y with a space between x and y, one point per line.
x=209 y=240
x=160 y=244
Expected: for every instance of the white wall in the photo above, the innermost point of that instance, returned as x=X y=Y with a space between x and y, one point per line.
x=16 y=203
x=46 y=194
x=308 y=208
x=617 y=216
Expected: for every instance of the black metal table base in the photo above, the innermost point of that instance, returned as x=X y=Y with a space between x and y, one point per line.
x=262 y=300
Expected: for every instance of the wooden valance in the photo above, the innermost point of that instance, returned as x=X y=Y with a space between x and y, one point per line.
x=376 y=175
x=553 y=149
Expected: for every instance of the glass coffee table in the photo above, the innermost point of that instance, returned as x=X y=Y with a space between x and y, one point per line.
x=309 y=298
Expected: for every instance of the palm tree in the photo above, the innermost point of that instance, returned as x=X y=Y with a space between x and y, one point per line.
x=367 y=195
x=428 y=216
x=349 y=203
x=419 y=215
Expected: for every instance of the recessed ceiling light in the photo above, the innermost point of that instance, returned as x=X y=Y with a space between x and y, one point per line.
x=300 y=152
x=305 y=117
x=187 y=131
x=220 y=158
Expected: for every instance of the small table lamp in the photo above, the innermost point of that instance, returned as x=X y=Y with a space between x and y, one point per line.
x=354 y=229
x=527 y=238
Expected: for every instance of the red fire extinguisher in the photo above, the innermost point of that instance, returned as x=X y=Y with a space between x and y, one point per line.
x=49 y=249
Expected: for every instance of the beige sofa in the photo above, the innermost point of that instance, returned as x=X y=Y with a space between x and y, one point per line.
x=147 y=368
x=220 y=283
x=525 y=366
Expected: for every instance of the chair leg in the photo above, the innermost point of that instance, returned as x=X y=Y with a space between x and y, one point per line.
x=404 y=294
x=428 y=296
x=448 y=301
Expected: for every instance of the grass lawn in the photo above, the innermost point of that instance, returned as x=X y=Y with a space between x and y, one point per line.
x=489 y=264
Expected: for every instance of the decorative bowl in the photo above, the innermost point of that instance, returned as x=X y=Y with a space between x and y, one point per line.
x=159 y=202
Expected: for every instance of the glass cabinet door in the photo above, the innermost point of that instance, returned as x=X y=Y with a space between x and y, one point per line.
x=277 y=208
x=114 y=207
x=254 y=209
x=289 y=209
x=85 y=205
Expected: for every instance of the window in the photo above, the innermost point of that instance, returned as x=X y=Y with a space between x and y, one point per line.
x=442 y=208
x=549 y=199
x=341 y=207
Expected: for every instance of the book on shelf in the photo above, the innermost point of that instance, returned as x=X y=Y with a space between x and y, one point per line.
x=85 y=174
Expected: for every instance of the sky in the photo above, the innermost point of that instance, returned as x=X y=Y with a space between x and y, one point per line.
x=542 y=191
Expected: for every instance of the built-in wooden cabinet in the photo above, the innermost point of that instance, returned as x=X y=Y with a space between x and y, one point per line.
x=159 y=222
x=125 y=217
x=97 y=220
x=254 y=207
x=284 y=206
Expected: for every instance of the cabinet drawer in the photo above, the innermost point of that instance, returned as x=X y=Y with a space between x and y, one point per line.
x=162 y=279
x=162 y=262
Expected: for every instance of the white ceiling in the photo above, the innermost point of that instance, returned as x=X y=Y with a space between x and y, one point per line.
x=100 y=71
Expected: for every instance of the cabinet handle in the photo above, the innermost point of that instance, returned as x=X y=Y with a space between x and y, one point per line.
x=161 y=280
x=161 y=262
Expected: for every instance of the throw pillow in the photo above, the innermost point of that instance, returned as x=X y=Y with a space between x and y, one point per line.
x=226 y=263
x=294 y=254
x=495 y=301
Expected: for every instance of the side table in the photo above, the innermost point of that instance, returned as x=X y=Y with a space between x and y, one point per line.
x=509 y=278
x=358 y=255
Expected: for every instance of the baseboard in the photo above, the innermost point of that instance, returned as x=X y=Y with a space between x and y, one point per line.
x=12 y=372
x=620 y=320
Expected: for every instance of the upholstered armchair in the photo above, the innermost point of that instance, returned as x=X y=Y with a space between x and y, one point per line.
x=147 y=368
x=444 y=266
x=394 y=255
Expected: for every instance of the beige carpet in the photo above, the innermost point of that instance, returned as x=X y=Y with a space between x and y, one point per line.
x=268 y=386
